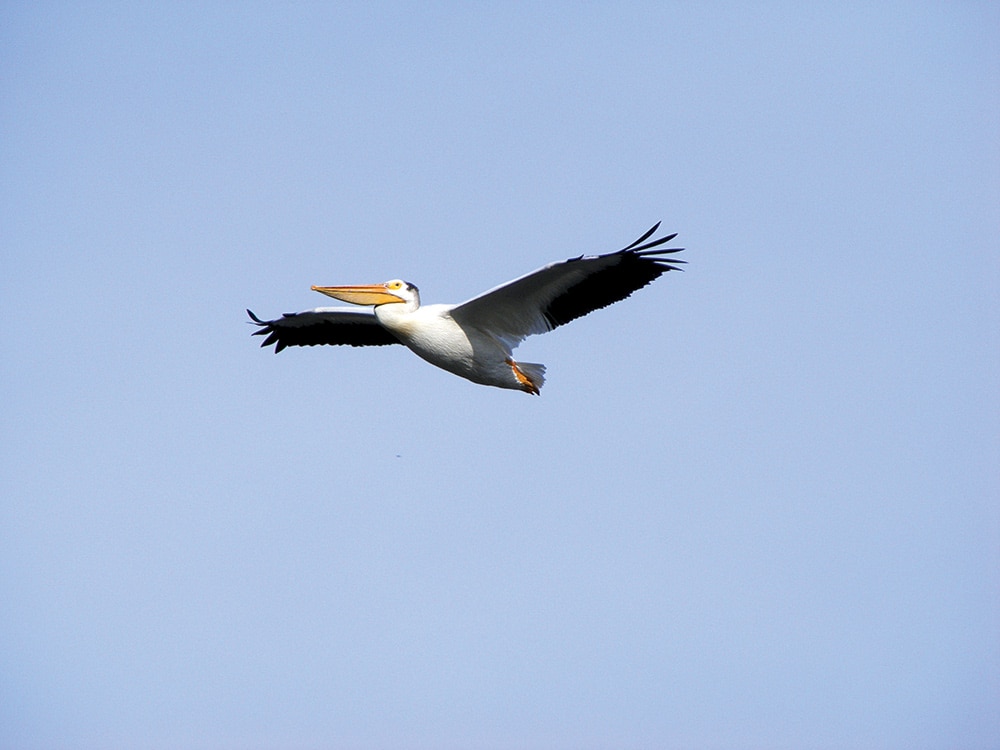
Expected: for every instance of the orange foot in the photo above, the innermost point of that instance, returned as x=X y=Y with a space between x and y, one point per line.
x=526 y=383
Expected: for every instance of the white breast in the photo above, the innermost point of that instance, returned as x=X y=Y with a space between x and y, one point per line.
x=431 y=333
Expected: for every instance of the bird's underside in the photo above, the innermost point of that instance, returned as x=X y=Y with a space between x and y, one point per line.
x=475 y=339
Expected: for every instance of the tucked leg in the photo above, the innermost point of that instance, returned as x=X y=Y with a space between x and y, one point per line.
x=527 y=384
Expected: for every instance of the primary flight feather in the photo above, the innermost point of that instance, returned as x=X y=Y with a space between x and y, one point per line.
x=475 y=339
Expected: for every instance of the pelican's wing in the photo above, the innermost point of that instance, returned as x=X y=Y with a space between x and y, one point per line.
x=324 y=325
x=561 y=292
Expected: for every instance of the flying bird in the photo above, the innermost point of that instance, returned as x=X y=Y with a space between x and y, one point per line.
x=475 y=339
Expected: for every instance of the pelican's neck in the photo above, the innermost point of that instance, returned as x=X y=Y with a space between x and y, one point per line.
x=392 y=312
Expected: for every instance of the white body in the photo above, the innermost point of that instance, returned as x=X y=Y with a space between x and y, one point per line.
x=432 y=334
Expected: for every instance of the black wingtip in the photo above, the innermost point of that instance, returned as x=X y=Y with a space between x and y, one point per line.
x=646 y=236
x=641 y=246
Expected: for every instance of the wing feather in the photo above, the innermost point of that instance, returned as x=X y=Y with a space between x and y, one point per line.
x=324 y=325
x=560 y=292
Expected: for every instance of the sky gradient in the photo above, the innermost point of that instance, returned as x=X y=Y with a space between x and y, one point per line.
x=755 y=505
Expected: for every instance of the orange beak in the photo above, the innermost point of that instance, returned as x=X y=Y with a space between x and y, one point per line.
x=363 y=294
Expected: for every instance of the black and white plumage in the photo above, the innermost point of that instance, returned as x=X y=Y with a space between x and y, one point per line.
x=475 y=339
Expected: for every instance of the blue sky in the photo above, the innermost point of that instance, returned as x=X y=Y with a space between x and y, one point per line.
x=755 y=505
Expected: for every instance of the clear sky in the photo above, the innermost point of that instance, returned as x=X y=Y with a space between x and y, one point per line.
x=756 y=505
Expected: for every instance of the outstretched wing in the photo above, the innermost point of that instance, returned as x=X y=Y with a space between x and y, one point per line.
x=560 y=292
x=324 y=325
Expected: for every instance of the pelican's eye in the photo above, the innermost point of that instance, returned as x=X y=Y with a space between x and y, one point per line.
x=395 y=285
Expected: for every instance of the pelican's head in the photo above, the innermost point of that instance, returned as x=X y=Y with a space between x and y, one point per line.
x=390 y=292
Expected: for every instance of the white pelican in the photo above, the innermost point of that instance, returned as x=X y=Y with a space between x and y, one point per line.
x=474 y=340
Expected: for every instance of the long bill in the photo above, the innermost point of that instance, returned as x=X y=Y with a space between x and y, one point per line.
x=361 y=294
